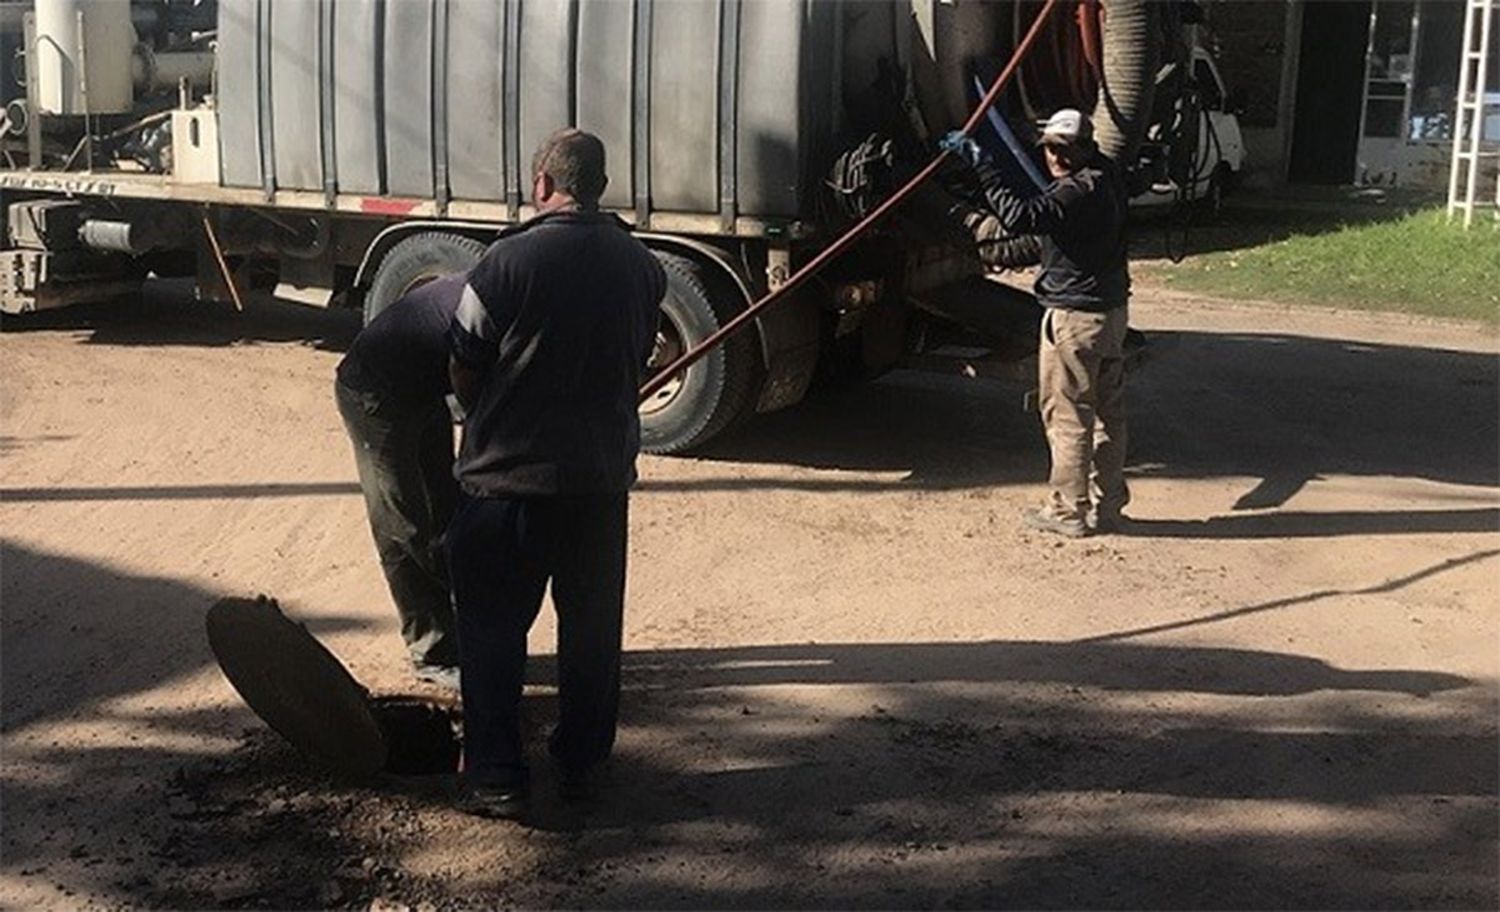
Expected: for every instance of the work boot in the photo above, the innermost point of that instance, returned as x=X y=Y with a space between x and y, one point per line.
x=496 y=802
x=1045 y=520
x=445 y=676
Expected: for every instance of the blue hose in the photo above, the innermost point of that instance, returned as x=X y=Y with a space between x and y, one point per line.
x=1010 y=158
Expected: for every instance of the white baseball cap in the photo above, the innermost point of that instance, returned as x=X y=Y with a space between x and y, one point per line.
x=1068 y=126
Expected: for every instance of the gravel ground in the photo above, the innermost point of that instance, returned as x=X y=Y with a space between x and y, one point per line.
x=852 y=679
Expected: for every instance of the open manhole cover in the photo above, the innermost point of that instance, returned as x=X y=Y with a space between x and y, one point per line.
x=308 y=697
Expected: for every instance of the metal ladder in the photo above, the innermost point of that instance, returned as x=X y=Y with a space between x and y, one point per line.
x=1468 y=124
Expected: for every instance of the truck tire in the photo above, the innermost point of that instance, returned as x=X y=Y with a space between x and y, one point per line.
x=416 y=260
x=709 y=396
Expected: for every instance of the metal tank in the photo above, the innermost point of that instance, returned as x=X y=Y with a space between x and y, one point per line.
x=84 y=50
x=706 y=106
x=356 y=158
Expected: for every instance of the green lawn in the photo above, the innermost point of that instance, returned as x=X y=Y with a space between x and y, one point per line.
x=1415 y=264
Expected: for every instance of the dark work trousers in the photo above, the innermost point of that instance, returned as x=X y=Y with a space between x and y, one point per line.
x=501 y=553
x=405 y=461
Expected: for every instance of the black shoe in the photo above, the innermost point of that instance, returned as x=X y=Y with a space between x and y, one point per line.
x=497 y=802
x=1108 y=523
x=442 y=675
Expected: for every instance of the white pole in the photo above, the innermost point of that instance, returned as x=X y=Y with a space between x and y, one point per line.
x=1458 y=118
x=1476 y=129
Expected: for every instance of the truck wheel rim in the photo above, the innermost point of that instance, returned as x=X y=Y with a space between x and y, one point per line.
x=668 y=348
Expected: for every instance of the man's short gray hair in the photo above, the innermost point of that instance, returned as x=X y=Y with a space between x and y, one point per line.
x=575 y=162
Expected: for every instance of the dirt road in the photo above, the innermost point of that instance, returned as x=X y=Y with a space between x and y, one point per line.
x=852 y=679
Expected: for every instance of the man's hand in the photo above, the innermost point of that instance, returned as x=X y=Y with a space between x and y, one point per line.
x=466 y=383
x=962 y=146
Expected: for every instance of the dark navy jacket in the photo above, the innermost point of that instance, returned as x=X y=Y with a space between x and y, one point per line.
x=561 y=316
x=402 y=356
x=1081 y=220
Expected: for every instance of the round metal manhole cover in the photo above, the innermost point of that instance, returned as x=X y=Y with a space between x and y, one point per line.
x=296 y=685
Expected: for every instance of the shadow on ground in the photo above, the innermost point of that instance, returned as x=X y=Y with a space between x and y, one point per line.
x=961 y=776
x=106 y=807
x=978 y=775
x=72 y=633
x=1046 y=775
x=1279 y=408
x=957 y=775
x=166 y=314
x=253 y=491
x=1394 y=584
x=1282 y=410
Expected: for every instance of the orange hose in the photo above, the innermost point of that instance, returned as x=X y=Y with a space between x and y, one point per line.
x=692 y=356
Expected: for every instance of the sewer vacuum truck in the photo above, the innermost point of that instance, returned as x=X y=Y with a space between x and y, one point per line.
x=345 y=151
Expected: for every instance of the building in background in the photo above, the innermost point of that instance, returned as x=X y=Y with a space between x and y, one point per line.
x=1348 y=91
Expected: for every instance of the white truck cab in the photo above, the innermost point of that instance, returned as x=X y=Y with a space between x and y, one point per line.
x=1220 y=154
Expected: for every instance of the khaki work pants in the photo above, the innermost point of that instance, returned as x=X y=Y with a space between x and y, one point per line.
x=1082 y=387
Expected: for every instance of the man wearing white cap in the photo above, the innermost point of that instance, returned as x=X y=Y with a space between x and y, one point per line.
x=1084 y=286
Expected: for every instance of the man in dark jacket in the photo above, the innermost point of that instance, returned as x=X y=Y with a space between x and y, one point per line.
x=548 y=347
x=391 y=391
x=1084 y=287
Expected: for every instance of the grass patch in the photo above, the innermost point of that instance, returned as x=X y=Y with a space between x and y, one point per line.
x=1417 y=264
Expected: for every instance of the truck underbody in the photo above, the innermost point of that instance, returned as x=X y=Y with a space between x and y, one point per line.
x=250 y=174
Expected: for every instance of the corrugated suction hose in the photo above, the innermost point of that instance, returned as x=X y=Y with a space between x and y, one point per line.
x=1131 y=59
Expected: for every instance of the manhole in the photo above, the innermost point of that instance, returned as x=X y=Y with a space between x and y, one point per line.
x=306 y=695
x=421 y=735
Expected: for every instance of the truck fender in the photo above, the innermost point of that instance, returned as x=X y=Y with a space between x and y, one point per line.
x=392 y=234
